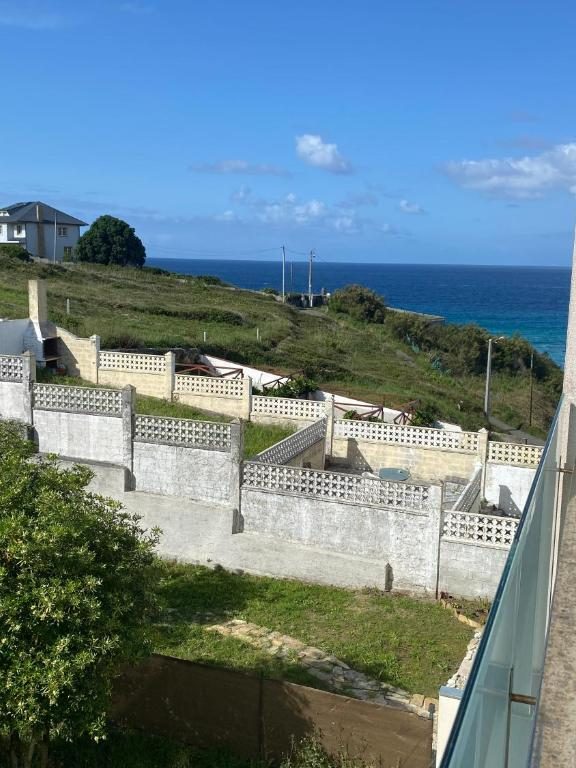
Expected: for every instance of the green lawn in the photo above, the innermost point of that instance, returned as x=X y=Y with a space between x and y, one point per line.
x=411 y=643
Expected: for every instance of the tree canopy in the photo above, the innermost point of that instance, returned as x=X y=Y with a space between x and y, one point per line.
x=359 y=302
x=77 y=591
x=111 y=241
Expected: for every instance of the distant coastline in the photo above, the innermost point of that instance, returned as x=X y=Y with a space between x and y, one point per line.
x=531 y=301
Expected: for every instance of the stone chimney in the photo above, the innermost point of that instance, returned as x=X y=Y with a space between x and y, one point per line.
x=38 y=307
x=41 y=250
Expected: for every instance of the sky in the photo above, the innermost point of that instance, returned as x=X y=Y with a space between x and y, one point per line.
x=416 y=131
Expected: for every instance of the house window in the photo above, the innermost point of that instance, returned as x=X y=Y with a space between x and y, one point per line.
x=67 y=253
x=62 y=231
x=1 y=228
x=19 y=230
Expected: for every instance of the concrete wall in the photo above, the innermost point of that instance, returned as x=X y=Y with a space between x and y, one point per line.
x=312 y=457
x=426 y=464
x=12 y=336
x=193 y=473
x=470 y=570
x=93 y=437
x=408 y=541
x=78 y=356
x=508 y=486
x=152 y=384
x=13 y=402
x=230 y=406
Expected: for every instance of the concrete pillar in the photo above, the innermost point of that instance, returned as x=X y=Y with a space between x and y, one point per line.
x=170 y=373
x=37 y=303
x=28 y=379
x=94 y=358
x=247 y=399
x=128 y=398
x=483 y=457
x=436 y=499
x=329 y=404
x=236 y=455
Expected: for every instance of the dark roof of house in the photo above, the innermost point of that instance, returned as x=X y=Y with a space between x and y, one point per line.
x=28 y=212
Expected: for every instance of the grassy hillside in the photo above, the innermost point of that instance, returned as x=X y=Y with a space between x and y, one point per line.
x=389 y=363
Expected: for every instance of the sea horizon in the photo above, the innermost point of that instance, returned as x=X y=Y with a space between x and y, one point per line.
x=531 y=301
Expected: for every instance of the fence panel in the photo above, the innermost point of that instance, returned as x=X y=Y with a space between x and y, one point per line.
x=59 y=397
x=11 y=368
x=210 y=385
x=132 y=361
x=395 y=434
x=200 y=434
x=489 y=530
x=297 y=443
x=288 y=408
x=515 y=453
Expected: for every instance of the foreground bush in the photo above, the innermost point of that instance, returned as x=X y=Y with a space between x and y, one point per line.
x=77 y=594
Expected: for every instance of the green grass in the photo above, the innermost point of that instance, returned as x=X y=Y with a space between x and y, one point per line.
x=412 y=643
x=131 y=308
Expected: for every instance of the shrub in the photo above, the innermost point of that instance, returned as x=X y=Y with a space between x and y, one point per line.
x=359 y=302
x=15 y=251
x=297 y=386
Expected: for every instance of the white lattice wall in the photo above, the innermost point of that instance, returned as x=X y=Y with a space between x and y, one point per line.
x=132 y=361
x=395 y=434
x=515 y=453
x=290 y=447
x=489 y=530
x=335 y=486
x=58 y=397
x=288 y=408
x=210 y=385
x=210 y=435
x=11 y=368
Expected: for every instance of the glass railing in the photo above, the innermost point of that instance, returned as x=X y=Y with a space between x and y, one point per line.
x=495 y=722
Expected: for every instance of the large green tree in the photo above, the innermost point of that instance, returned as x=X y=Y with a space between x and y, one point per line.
x=77 y=591
x=111 y=241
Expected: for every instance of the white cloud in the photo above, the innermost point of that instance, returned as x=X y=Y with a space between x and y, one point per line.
x=290 y=210
x=239 y=166
x=311 y=148
x=410 y=208
x=524 y=177
x=227 y=216
x=389 y=229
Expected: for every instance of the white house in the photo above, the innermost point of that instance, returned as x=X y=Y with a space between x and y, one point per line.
x=44 y=231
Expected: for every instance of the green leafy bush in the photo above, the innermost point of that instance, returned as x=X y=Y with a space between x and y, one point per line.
x=15 y=251
x=359 y=302
x=297 y=386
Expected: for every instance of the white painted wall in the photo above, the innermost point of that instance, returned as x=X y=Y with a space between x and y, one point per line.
x=508 y=486
x=12 y=401
x=80 y=435
x=193 y=473
x=12 y=336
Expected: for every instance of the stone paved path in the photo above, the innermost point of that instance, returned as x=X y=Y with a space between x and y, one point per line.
x=334 y=673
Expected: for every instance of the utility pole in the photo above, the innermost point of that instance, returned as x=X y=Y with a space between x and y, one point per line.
x=488 y=375
x=310 y=279
x=55 y=233
x=531 y=388
x=283 y=274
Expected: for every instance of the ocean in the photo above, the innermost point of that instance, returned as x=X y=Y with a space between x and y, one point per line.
x=531 y=301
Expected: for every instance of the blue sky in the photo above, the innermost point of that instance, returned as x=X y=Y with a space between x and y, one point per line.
x=410 y=131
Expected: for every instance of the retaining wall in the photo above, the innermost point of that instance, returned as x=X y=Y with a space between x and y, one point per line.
x=196 y=460
x=259 y=718
x=219 y=395
x=391 y=522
